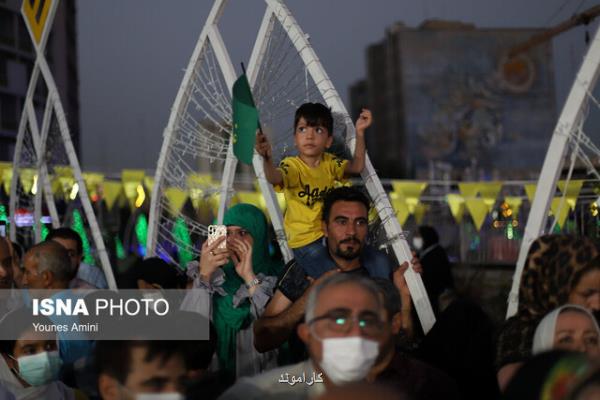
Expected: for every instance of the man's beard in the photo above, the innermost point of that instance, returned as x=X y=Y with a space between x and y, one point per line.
x=350 y=253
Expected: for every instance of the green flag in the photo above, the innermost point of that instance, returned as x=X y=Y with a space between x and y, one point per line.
x=245 y=120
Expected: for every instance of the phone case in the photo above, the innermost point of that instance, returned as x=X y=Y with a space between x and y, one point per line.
x=215 y=232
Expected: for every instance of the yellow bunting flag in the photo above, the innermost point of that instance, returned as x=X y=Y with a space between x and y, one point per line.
x=530 y=191
x=149 y=183
x=197 y=198
x=214 y=201
x=64 y=176
x=411 y=191
x=560 y=213
x=254 y=198
x=55 y=186
x=200 y=181
x=468 y=189
x=132 y=178
x=6 y=176
x=572 y=191
x=514 y=203
x=27 y=176
x=66 y=185
x=372 y=215
x=400 y=207
x=420 y=212
x=489 y=193
x=111 y=191
x=92 y=182
x=457 y=206
x=177 y=198
x=478 y=210
x=63 y=170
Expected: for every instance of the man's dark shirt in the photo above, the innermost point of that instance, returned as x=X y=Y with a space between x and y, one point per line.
x=418 y=380
x=293 y=282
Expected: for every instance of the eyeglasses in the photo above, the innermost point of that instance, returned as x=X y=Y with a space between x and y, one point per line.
x=340 y=322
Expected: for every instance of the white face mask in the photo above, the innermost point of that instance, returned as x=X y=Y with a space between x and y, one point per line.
x=348 y=359
x=159 y=396
x=418 y=243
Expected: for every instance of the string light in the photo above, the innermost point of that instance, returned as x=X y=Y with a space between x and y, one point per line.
x=34 y=187
x=183 y=241
x=44 y=232
x=3 y=215
x=141 y=234
x=74 y=191
x=141 y=196
x=78 y=226
x=119 y=249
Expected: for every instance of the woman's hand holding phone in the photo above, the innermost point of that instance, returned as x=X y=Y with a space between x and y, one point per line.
x=212 y=257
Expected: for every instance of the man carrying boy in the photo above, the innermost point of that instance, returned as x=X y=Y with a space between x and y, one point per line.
x=306 y=179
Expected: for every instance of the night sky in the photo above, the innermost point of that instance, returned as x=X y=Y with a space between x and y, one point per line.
x=132 y=54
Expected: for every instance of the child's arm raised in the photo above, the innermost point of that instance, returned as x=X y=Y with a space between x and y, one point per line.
x=263 y=147
x=357 y=164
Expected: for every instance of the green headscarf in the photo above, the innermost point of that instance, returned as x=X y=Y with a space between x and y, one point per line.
x=228 y=320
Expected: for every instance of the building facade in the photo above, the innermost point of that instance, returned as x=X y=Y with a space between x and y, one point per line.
x=449 y=103
x=16 y=63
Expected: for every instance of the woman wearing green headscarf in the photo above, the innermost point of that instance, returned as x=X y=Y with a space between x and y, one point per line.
x=240 y=280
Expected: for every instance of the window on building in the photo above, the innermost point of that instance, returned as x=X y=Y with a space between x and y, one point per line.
x=24 y=38
x=3 y=71
x=7 y=27
x=8 y=112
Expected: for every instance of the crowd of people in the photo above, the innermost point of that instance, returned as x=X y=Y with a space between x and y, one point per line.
x=336 y=322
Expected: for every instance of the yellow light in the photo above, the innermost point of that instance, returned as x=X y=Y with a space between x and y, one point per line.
x=34 y=186
x=515 y=223
x=508 y=212
x=141 y=196
x=74 y=191
x=594 y=209
x=496 y=224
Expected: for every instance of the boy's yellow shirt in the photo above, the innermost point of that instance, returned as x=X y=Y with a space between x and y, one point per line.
x=304 y=189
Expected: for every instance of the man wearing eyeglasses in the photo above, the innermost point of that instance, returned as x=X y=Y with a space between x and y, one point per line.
x=344 y=325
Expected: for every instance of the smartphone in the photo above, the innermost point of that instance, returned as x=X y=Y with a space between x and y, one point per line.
x=215 y=232
x=3 y=228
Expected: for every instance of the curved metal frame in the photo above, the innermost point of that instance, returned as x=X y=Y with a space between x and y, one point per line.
x=53 y=106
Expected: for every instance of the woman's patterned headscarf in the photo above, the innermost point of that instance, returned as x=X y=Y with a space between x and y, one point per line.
x=553 y=267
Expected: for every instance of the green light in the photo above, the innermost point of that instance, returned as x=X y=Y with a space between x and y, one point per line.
x=141 y=233
x=509 y=232
x=3 y=216
x=45 y=232
x=78 y=226
x=119 y=249
x=183 y=241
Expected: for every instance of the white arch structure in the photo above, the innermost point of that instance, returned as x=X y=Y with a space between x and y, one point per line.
x=568 y=132
x=280 y=44
x=33 y=150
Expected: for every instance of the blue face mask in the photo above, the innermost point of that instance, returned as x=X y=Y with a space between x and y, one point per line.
x=39 y=369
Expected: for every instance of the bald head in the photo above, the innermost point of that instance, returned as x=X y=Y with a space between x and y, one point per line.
x=47 y=266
